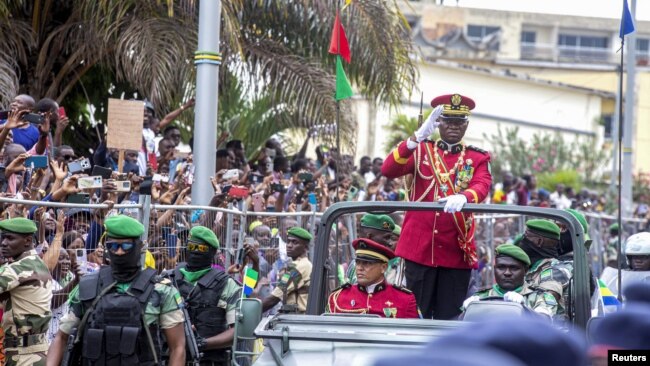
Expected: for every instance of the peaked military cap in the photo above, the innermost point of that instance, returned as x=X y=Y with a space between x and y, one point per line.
x=122 y=226
x=19 y=225
x=300 y=233
x=372 y=251
x=513 y=251
x=379 y=222
x=544 y=228
x=204 y=235
x=454 y=105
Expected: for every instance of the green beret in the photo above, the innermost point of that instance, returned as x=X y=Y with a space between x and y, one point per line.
x=544 y=228
x=513 y=251
x=300 y=233
x=19 y=225
x=397 y=230
x=379 y=222
x=580 y=217
x=122 y=226
x=517 y=239
x=613 y=226
x=204 y=235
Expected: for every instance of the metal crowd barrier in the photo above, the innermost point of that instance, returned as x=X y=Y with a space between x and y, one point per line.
x=169 y=226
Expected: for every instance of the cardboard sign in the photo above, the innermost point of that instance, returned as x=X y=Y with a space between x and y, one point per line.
x=125 y=124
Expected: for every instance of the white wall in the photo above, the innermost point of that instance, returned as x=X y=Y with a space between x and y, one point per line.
x=503 y=97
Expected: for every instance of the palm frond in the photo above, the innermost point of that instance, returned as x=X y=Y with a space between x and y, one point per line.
x=143 y=56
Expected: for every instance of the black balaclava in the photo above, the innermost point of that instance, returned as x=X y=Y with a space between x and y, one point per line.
x=536 y=253
x=566 y=244
x=197 y=261
x=126 y=267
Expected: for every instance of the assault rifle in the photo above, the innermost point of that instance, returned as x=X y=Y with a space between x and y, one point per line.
x=70 y=356
x=192 y=348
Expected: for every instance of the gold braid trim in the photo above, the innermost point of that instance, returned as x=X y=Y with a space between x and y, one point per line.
x=338 y=309
x=418 y=153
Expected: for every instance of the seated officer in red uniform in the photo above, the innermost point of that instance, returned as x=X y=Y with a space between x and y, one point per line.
x=372 y=294
x=438 y=247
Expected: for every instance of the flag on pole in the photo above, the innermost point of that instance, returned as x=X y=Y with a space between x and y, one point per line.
x=627 y=23
x=339 y=42
x=250 y=280
x=343 y=87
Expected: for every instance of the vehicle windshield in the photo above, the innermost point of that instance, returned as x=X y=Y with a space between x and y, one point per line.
x=338 y=265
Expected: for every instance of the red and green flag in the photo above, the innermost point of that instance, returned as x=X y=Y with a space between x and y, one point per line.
x=339 y=46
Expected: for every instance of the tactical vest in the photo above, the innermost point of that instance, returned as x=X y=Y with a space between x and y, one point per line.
x=115 y=333
x=202 y=303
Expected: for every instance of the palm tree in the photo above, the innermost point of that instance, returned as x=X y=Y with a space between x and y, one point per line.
x=71 y=49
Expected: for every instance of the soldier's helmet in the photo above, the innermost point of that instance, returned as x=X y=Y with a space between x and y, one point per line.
x=638 y=244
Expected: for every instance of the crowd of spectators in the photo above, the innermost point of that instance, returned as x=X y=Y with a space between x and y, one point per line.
x=267 y=180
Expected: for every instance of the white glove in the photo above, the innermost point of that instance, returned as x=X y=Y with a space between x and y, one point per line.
x=470 y=300
x=512 y=296
x=454 y=203
x=429 y=125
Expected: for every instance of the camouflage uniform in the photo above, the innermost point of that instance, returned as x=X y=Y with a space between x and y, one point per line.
x=538 y=300
x=26 y=291
x=546 y=274
x=293 y=286
x=166 y=313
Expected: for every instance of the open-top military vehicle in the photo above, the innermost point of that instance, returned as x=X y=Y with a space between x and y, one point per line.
x=325 y=339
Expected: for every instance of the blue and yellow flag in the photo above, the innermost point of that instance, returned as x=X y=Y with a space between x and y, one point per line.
x=610 y=302
x=250 y=280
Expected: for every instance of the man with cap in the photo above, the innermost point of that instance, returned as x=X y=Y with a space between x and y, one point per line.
x=373 y=294
x=117 y=314
x=293 y=287
x=26 y=291
x=510 y=266
x=210 y=295
x=540 y=242
x=380 y=229
x=439 y=247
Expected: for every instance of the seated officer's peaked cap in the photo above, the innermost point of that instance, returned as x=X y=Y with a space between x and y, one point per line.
x=454 y=105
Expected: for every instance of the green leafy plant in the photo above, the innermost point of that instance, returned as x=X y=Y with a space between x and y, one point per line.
x=545 y=154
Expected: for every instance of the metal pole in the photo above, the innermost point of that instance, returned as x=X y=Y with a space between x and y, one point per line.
x=207 y=60
x=628 y=128
x=229 y=228
x=613 y=182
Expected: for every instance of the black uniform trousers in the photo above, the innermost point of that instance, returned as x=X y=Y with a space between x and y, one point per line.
x=439 y=291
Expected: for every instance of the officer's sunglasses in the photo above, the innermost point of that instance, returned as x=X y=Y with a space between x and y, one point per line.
x=196 y=247
x=114 y=246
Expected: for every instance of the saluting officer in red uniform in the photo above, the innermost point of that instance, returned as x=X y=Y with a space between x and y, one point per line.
x=372 y=294
x=439 y=248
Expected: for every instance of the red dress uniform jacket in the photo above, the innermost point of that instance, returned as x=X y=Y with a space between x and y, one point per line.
x=432 y=238
x=387 y=300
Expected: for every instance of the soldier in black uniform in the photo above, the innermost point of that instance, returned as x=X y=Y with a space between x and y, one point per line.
x=117 y=314
x=210 y=296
